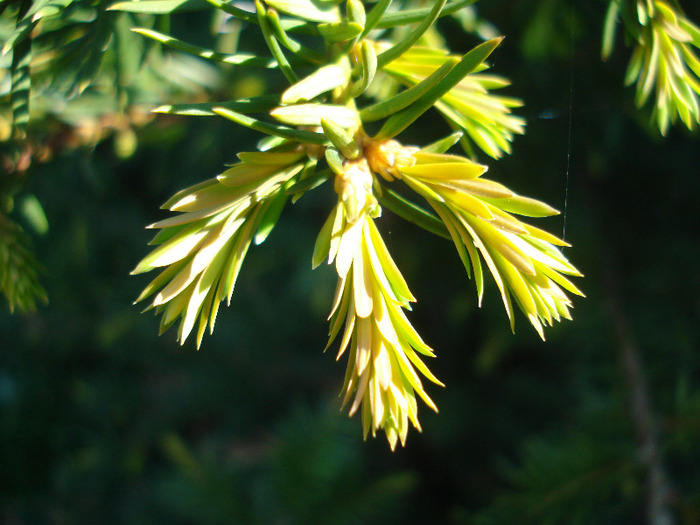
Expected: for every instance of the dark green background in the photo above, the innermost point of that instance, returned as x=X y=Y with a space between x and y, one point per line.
x=102 y=421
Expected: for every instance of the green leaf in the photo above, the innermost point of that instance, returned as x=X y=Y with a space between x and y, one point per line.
x=412 y=16
x=323 y=241
x=20 y=78
x=160 y=281
x=129 y=50
x=368 y=61
x=46 y=8
x=341 y=139
x=442 y=145
x=320 y=81
x=412 y=213
x=692 y=30
x=609 y=29
x=301 y=27
x=273 y=45
x=32 y=210
x=311 y=115
x=30 y=8
x=374 y=16
x=21 y=33
x=400 y=121
x=244 y=105
x=269 y=158
x=19 y=269
x=453 y=229
x=523 y=206
x=271 y=142
x=166 y=234
x=393 y=274
x=173 y=250
x=234 y=11
x=400 y=48
x=258 y=180
x=407 y=97
x=208 y=54
x=339 y=31
x=270 y=217
x=335 y=161
x=311 y=10
x=635 y=66
x=301 y=51
x=356 y=12
x=157 y=7
x=305 y=137
x=21 y=85
x=308 y=183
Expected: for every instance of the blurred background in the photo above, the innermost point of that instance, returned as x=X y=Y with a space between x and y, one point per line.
x=103 y=421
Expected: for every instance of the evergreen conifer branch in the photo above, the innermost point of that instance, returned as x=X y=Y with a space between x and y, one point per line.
x=321 y=135
x=19 y=269
x=665 y=60
x=336 y=84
